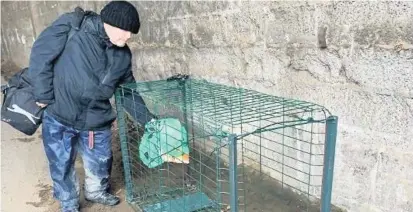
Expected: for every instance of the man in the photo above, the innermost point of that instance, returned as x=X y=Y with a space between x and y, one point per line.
x=74 y=76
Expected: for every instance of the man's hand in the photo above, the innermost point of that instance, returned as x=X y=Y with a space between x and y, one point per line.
x=41 y=104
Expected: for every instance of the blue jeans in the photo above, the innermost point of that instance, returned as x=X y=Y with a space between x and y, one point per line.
x=61 y=145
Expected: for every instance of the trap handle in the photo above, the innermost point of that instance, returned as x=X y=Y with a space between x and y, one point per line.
x=178 y=77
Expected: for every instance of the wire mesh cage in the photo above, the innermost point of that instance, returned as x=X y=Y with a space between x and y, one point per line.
x=234 y=149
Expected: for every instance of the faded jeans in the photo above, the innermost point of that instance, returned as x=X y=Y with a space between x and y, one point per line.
x=61 y=145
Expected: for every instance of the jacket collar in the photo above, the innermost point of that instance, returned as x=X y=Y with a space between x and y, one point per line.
x=102 y=33
x=94 y=26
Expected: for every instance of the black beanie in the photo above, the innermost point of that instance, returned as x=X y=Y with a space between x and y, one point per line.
x=121 y=14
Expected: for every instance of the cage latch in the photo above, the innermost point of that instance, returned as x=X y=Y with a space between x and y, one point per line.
x=178 y=77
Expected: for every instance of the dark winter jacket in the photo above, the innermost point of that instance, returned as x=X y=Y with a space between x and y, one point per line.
x=76 y=77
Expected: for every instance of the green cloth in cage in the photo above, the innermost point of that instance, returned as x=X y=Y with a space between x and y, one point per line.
x=162 y=136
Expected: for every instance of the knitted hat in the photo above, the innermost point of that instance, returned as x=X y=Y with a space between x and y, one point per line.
x=121 y=14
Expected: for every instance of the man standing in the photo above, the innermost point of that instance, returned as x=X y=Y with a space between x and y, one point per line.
x=74 y=76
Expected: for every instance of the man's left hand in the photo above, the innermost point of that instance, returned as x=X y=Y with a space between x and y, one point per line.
x=41 y=104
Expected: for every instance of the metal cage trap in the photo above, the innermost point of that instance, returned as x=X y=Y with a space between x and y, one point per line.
x=247 y=151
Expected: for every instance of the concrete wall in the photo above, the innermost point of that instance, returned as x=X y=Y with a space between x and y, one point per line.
x=22 y=21
x=364 y=75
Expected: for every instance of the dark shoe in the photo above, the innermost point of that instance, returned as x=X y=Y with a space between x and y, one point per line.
x=104 y=199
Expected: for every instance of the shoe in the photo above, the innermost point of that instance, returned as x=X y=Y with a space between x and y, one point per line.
x=71 y=210
x=104 y=199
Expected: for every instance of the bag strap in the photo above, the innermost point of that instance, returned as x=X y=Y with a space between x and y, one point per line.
x=4 y=88
x=76 y=23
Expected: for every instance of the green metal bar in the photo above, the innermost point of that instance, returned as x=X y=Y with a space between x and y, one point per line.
x=283 y=149
x=189 y=98
x=218 y=161
x=232 y=139
x=311 y=156
x=265 y=129
x=260 y=134
x=328 y=171
x=123 y=143
x=182 y=85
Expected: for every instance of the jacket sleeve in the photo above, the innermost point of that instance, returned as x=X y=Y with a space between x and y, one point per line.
x=133 y=103
x=45 y=50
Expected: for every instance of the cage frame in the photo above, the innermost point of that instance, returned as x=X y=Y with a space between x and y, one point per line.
x=331 y=124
